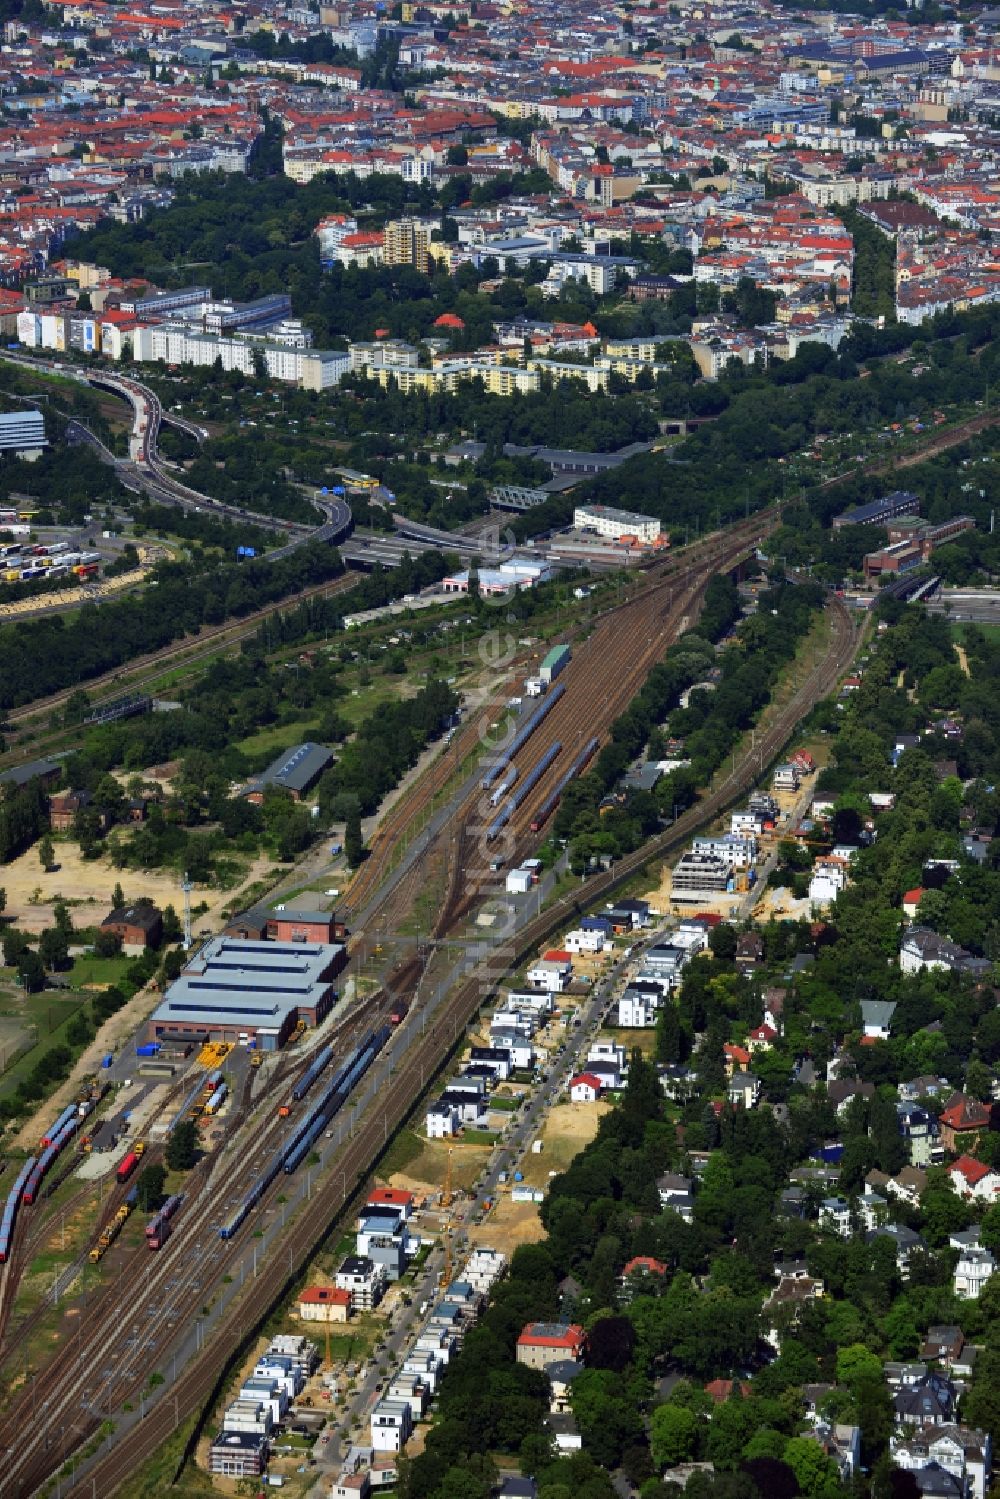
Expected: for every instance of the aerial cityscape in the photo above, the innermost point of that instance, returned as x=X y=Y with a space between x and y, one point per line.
x=499 y=749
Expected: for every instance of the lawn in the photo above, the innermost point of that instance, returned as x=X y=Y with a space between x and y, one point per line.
x=277 y=737
x=50 y=1016
x=992 y=632
x=91 y=970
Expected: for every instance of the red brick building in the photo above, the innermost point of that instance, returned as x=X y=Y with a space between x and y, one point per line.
x=138 y=925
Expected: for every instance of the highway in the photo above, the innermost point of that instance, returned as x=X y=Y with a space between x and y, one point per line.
x=147 y=473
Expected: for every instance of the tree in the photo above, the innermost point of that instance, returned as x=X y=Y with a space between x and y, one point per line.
x=46 y=853
x=149 y=1187
x=673 y=1431
x=354 y=843
x=816 y=1473
x=611 y=1341
x=172 y=931
x=53 y=948
x=31 y=972
x=855 y=1365
x=107 y=944
x=117 y=896
x=182 y=1146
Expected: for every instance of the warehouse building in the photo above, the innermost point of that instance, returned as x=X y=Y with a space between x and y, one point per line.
x=243 y=991
x=19 y=776
x=879 y=512
x=615 y=524
x=296 y=771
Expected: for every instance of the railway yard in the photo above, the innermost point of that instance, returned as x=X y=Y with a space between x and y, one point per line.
x=268 y=1188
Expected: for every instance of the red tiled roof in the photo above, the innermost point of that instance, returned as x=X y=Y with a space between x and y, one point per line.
x=324 y=1296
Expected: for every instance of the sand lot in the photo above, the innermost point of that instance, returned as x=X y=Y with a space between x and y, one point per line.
x=86 y=886
x=568 y=1128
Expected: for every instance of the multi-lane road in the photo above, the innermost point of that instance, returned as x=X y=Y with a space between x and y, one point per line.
x=145 y=470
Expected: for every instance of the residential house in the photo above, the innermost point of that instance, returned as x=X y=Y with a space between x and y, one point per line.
x=736 y=1058
x=743 y=1090
x=584 y=941
x=931 y=1401
x=324 y=1304
x=909 y=1185
x=761 y=1038
x=923 y=950
x=835 y=1214
x=904 y=1241
x=749 y=951
x=543 y=1343
x=638 y=1276
x=365 y=1280
x=677 y=1193
x=943 y=1344
x=391 y=1425
x=561 y=1375
x=586 y=1087
x=921 y=1131
x=972 y=1179
x=966 y=1454
x=553 y=972
x=721 y=1390
x=565 y=1433
x=962 y=1120
x=974 y=1268
x=786 y=778
x=626 y=915
x=639 y=1006
x=441 y=1121
x=139 y=925
x=876 y=1018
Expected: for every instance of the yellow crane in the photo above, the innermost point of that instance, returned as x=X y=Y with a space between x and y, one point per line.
x=446 y=1200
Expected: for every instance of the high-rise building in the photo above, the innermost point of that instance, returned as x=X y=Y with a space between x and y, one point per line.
x=407 y=242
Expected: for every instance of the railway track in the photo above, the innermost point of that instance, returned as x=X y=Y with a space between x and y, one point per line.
x=613 y=663
x=615 y=668
x=426 y=1050
x=163 y=1286
x=189 y=650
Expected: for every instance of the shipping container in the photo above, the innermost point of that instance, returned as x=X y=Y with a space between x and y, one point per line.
x=108 y=1061
x=555 y=661
x=148 y=1049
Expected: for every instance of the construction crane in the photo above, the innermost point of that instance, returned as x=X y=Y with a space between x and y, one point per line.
x=446 y=1200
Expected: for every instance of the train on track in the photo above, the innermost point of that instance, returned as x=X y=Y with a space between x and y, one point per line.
x=522 y=736
x=551 y=802
x=29 y=1180
x=10 y=1209
x=333 y=1097
x=521 y=795
x=160 y=1226
x=320 y=1062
